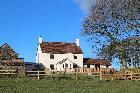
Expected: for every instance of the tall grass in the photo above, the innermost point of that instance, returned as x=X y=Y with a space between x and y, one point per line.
x=67 y=85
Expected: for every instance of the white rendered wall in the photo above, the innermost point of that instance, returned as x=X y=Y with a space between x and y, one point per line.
x=92 y=66
x=61 y=67
x=46 y=61
x=101 y=66
x=39 y=55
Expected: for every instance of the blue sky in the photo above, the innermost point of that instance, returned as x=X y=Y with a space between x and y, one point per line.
x=23 y=21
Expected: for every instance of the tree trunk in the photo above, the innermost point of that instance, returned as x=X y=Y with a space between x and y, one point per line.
x=124 y=63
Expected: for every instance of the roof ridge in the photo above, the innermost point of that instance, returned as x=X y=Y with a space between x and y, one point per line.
x=60 y=48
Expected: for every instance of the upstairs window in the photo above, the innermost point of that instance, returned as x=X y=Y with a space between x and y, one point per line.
x=75 y=57
x=51 y=56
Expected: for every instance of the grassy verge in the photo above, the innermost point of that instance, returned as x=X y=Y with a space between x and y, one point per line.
x=67 y=85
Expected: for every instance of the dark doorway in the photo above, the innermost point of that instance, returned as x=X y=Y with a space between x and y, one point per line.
x=88 y=66
x=97 y=67
x=52 y=66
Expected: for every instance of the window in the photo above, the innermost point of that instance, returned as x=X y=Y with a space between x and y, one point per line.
x=75 y=66
x=70 y=65
x=66 y=65
x=52 y=66
x=63 y=66
x=51 y=56
x=107 y=66
x=75 y=57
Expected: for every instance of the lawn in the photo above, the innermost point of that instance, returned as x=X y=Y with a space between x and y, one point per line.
x=67 y=86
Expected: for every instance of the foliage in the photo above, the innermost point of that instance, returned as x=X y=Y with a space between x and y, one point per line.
x=131 y=47
x=109 y=23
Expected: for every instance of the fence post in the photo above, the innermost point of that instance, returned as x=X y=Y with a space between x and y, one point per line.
x=100 y=75
x=112 y=76
x=38 y=75
x=131 y=75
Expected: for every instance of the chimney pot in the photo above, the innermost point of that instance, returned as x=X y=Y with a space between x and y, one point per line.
x=40 y=40
x=78 y=42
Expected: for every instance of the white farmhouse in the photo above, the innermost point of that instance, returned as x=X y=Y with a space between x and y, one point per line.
x=59 y=55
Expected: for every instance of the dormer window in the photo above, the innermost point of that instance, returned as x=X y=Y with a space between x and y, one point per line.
x=75 y=57
x=51 y=56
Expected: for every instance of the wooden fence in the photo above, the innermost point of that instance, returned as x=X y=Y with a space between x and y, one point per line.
x=8 y=72
x=109 y=75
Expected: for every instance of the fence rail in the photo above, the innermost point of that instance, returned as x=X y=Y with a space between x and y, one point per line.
x=125 y=75
x=8 y=72
x=103 y=76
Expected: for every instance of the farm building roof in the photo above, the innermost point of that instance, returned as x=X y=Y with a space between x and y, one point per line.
x=8 y=54
x=11 y=63
x=90 y=61
x=60 y=48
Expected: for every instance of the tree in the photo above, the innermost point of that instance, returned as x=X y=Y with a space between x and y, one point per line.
x=132 y=51
x=109 y=23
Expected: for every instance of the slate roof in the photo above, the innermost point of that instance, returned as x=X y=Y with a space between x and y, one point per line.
x=29 y=66
x=90 y=61
x=60 y=48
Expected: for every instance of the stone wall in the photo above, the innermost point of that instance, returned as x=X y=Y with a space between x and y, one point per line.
x=19 y=69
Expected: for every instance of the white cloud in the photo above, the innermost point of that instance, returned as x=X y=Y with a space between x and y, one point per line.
x=85 y=5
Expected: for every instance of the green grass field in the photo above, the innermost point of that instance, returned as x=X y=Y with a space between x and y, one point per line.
x=67 y=86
